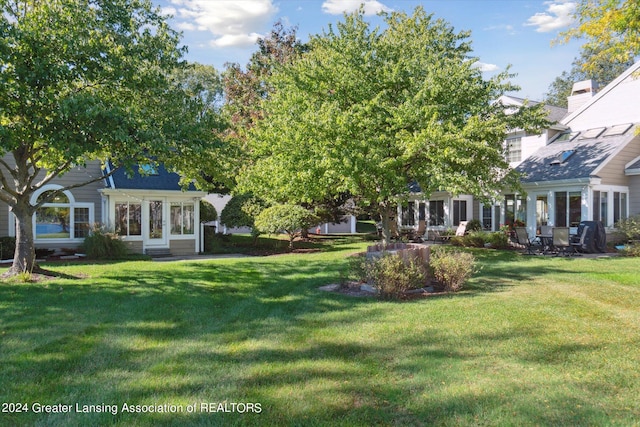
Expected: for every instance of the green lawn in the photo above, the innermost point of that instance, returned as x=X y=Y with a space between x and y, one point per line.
x=530 y=341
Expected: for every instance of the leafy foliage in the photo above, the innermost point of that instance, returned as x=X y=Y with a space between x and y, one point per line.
x=452 y=268
x=630 y=227
x=392 y=275
x=289 y=219
x=610 y=29
x=208 y=212
x=241 y=211
x=367 y=111
x=92 y=80
x=102 y=244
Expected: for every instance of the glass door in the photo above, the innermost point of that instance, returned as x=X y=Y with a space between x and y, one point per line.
x=156 y=233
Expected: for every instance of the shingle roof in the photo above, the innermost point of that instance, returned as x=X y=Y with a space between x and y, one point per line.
x=162 y=180
x=573 y=159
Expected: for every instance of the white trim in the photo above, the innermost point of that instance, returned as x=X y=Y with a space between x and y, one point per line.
x=608 y=88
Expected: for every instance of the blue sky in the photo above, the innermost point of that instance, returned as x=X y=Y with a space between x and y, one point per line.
x=503 y=32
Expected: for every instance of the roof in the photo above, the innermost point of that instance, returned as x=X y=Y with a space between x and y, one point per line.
x=633 y=167
x=575 y=155
x=158 y=179
x=555 y=113
x=617 y=85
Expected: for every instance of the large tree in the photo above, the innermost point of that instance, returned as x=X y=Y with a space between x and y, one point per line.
x=368 y=111
x=609 y=28
x=85 y=80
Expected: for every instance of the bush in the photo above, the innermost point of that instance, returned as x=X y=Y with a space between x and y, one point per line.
x=289 y=219
x=241 y=211
x=208 y=212
x=474 y=225
x=7 y=247
x=475 y=239
x=630 y=227
x=498 y=240
x=101 y=244
x=392 y=276
x=452 y=268
x=631 y=250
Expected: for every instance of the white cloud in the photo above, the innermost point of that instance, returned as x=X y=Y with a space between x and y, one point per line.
x=484 y=67
x=338 y=7
x=233 y=23
x=559 y=14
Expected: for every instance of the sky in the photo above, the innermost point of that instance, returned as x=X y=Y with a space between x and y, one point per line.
x=515 y=33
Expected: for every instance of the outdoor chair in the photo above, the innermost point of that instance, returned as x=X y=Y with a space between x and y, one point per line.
x=522 y=238
x=578 y=245
x=462 y=228
x=561 y=241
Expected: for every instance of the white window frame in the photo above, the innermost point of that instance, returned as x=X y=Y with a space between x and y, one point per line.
x=72 y=205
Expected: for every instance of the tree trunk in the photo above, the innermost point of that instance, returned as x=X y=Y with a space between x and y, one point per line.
x=24 y=258
x=385 y=214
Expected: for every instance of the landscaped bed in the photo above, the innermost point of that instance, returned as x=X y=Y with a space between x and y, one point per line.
x=528 y=341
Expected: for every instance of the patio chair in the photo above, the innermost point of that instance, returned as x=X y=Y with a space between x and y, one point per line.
x=462 y=228
x=523 y=239
x=578 y=245
x=561 y=242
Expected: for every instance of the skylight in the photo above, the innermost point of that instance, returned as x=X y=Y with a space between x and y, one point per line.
x=591 y=133
x=617 y=130
x=566 y=136
x=562 y=157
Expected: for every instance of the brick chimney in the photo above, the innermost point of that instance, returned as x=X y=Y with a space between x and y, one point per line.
x=581 y=93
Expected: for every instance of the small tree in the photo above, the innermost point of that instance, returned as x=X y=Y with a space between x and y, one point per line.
x=288 y=219
x=241 y=211
x=208 y=212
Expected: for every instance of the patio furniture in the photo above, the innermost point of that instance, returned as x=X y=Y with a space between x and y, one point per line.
x=561 y=241
x=462 y=228
x=579 y=245
x=522 y=238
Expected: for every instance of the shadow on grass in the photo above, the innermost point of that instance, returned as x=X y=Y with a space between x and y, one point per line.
x=257 y=330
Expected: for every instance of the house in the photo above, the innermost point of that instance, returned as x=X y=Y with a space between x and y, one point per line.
x=585 y=166
x=590 y=170
x=443 y=210
x=150 y=212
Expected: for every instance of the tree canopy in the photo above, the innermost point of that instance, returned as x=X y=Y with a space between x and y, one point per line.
x=610 y=29
x=367 y=111
x=85 y=80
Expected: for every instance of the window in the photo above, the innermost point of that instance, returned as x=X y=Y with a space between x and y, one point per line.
x=542 y=211
x=487 y=219
x=568 y=209
x=60 y=217
x=514 y=149
x=515 y=210
x=619 y=206
x=182 y=218
x=562 y=157
x=459 y=211
x=436 y=212
x=129 y=219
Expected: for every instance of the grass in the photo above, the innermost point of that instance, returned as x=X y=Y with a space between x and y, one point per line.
x=530 y=341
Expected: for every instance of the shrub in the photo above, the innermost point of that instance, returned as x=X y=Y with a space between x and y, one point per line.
x=452 y=268
x=241 y=211
x=630 y=227
x=392 y=276
x=7 y=247
x=289 y=219
x=357 y=267
x=101 y=244
x=475 y=239
x=498 y=240
x=208 y=212
x=474 y=225
x=631 y=250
